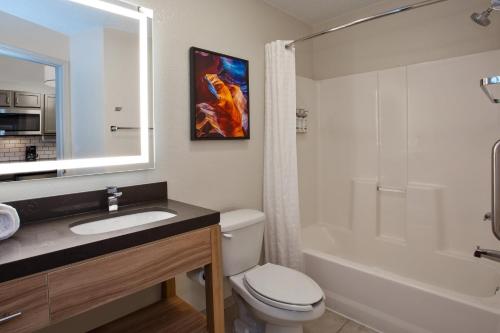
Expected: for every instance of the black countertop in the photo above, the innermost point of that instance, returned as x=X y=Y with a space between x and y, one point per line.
x=48 y=244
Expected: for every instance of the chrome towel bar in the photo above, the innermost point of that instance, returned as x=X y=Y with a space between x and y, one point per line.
x=114 y=128
x=390 y=189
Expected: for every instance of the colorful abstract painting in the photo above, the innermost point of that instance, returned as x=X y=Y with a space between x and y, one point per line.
x=220 y=107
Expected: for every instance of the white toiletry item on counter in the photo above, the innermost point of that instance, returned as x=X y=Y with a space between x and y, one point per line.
x=9 y=221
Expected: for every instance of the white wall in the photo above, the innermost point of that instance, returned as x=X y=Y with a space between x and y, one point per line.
x=218 y=175
x=436 y=32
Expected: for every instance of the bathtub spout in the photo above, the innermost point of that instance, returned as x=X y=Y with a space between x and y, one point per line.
x=488 y=254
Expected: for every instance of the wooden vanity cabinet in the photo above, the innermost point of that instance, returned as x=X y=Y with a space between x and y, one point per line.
x=126 y=272
x=62 y=293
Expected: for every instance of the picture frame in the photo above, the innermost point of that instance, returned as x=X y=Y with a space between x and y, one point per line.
x=220 y=96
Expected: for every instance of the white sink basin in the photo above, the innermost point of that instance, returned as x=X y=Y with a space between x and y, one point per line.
x=120 y=222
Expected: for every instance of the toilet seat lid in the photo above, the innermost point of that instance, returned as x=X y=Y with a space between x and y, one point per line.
x=284 y=285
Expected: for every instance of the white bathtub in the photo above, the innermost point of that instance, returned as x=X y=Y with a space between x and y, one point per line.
x=462 y=300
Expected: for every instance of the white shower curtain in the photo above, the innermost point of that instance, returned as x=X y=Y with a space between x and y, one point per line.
x=281 y=189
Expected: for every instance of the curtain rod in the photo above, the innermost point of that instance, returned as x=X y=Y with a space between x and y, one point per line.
x=366 y=19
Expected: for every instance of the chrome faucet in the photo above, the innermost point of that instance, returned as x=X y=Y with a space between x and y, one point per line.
x=113 y=196
x=488 y=254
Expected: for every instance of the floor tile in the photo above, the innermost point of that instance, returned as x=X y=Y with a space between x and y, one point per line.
x=352 y=327
x=330 y=322
x=230 y=314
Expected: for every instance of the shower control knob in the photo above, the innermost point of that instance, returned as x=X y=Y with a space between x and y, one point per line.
x=487 y=217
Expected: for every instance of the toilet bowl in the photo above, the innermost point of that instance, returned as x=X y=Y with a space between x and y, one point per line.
x=275 y=299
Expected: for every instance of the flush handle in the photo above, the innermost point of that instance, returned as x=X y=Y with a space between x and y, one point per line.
x=228 y=236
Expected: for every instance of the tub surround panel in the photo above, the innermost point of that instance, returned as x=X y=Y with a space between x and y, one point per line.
x=347 y=142
x=46 y=244
x=393 y=131
x=452 y=127
x=425 y=127
x=393 y=151
x=363 y=219
x=307 y=151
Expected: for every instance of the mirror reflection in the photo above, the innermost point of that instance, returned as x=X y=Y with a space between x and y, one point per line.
x=69 y=84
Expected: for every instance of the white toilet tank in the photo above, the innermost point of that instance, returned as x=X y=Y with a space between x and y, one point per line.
x=242 y=236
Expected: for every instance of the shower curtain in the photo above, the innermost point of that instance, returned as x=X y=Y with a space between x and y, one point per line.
x=281 y=189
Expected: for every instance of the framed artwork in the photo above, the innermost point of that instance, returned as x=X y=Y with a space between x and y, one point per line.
x=220 y=97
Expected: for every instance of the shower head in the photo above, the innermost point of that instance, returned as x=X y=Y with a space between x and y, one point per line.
x=483 y=18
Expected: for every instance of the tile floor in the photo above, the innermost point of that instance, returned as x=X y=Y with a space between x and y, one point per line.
x=329 y=323
x=334 y=323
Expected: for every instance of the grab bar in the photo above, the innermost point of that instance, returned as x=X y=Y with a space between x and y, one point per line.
x=495 y=191
x=390 y=189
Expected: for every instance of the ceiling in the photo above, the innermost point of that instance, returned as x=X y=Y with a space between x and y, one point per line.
x=318 y=11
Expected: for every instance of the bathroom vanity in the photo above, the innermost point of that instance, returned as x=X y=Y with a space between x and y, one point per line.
x=49 y=273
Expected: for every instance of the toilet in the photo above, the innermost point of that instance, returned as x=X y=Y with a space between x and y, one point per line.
x=271 y=298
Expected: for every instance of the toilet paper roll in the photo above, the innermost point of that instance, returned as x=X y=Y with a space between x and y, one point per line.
x=198 y=276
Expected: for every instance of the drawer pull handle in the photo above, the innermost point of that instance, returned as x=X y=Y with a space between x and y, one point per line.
x=227 y=235
x=5 y=317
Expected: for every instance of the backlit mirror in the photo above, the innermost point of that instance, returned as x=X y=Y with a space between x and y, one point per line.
x=74 y=88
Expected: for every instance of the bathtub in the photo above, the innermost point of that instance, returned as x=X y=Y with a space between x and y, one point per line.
x=453 y=294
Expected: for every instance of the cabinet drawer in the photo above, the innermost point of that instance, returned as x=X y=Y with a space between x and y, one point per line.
x=25 y=302
x=81 y=287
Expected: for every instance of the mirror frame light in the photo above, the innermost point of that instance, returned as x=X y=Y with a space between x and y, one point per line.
x=142 y=15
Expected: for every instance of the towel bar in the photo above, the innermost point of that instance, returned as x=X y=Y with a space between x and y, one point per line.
x=114 y=128
x=390 y=189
